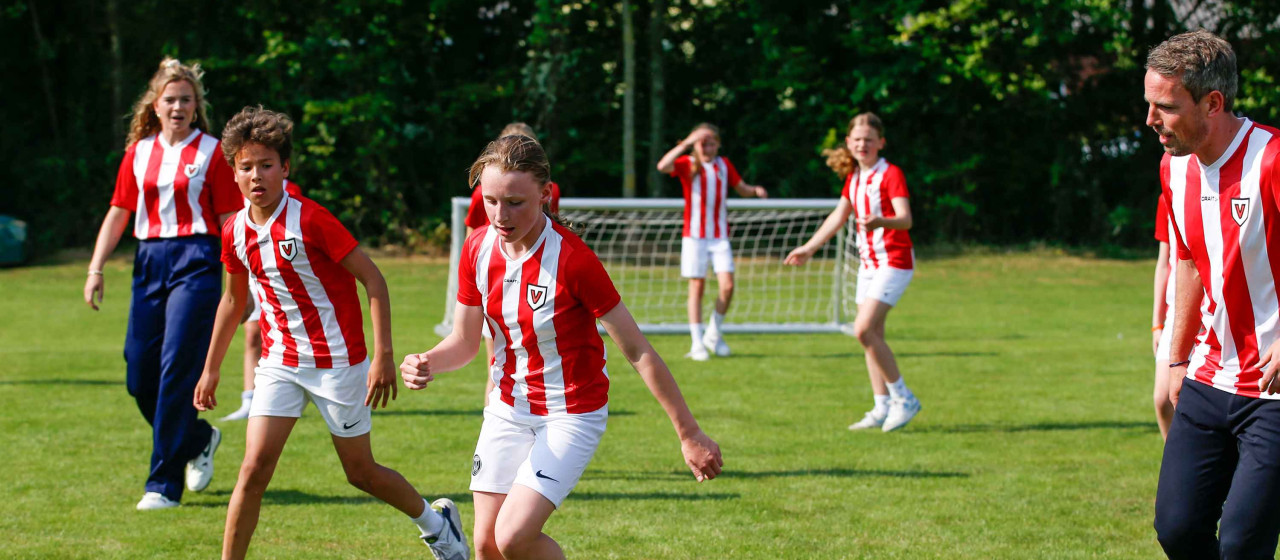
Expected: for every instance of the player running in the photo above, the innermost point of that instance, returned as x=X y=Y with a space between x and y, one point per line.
x=304 y=264
x=706 y=179
x=541 y=290
x=875 y=192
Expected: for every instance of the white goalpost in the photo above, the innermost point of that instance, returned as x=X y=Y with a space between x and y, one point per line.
x=638 y=240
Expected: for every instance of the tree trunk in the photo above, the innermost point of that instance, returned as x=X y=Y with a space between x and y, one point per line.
x=42 y=50
x=657 y=105
x=628 y=103
x=117 y=75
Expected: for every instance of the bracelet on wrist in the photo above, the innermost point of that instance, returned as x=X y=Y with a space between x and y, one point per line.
x=95 y=273
x=1156 y=328
x=1180 y=364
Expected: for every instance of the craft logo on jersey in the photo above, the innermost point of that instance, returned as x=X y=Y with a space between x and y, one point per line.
x=288 y=249
x=191 y=169
x=1240 y=210
x=536 y=296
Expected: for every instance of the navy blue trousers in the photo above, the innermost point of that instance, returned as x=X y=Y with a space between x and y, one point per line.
x=176 y=285
x=1219 y=490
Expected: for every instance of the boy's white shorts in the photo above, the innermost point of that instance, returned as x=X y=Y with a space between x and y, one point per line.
x=338 y=393
x=696 y=253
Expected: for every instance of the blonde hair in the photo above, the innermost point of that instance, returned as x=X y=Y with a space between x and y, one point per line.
x=697 y=165
x=516 y=152
x=839 y=159
x=519 y=128
x=145 y=121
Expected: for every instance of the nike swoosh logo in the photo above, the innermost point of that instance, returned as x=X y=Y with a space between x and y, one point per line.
x=540 y=475
x=346 y=426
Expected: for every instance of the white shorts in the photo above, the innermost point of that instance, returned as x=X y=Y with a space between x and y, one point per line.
x=696 y=253
x=545 y=453
x=884 y=284
x=1166 y=338
x=338 y=393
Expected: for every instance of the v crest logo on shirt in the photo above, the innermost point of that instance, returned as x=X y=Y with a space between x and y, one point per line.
x=191 y=169
x=536 y=296
x=1240 y=210
x=288 y=249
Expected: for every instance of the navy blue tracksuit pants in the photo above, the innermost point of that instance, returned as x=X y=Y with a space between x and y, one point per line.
x=176 y=285
x=1219 y=490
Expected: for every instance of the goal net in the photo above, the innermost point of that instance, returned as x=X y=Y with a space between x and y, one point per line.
x=638 y=240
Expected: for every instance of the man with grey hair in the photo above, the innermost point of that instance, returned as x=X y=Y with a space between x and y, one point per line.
x=1220 y=477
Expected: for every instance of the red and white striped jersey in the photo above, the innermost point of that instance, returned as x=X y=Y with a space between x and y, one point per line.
x=477 y=218
x=871 y=192
x=1164 y=233
x=294 y=190
x=705 y=215
x=1227 y=221
x=542 y=309
x=176 y=191
x=310 y=309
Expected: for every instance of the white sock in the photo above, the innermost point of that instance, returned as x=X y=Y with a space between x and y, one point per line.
x=882 y=405
x=898 y=389
x=430 y=522
x=695 y=330
x=717 y=319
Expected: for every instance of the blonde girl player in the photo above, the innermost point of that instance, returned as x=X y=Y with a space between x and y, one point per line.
x=177 y=188
x=875 y=192
x=541 y=290
x=706 y=179
x=253 y=336
x=304 y=264
x=477 y=218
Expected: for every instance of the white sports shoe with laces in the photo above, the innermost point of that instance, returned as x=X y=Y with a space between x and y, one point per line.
x=698 y=353
x=451 y=543
x=901 y=411
x=869 y=420
x=714 y=342
x=199 y=471
x=155 y=500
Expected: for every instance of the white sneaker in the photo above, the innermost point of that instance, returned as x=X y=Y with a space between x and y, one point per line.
x=200 y=470
x=241 y=413
x=901 y=411
x=715 y=343
x=155 y=500
x=698 y=353
x=869 y=420
x=451 y=543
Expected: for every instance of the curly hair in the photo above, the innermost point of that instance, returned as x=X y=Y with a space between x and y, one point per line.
x=256 y=125
x=145 y=121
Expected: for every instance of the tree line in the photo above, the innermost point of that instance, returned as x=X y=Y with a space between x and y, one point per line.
x=1014 y=120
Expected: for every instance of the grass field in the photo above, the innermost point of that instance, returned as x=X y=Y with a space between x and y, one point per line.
x=1037 y=438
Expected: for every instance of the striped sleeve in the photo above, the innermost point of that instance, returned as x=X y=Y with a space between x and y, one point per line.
x=126 y=191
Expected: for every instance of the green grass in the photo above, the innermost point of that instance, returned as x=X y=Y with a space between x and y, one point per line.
x=1036 y=440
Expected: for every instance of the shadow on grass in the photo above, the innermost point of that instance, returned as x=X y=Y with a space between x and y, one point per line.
x=466 y=412
x=835 y=473
x=843 y=355
x=1040 y=427
x=300 y=498
x=61 y=382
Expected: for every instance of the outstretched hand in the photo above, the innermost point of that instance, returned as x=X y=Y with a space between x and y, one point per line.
x=702 y=455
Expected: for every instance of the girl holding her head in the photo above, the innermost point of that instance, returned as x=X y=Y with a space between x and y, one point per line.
x=541 y=290
x=875 y=193
x=706 y=178
x=178 y=189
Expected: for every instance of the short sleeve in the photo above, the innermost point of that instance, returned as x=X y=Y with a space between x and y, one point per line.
x=734 y=178
x=555 y=198
x=848 y=184
x=292 y=188
x=229 y=258
x=1162 y=220
x=589 y=283
x=321 y=229
x=221 y=183
x=126 y=192
x=895 y=183
x=683 y=167
x=476 y=218
x=468 y=293
x=1184 y=253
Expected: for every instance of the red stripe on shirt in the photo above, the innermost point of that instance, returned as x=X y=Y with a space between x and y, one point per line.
x=529 y=273
x=151 y=190
x=497 y=270
x=298 y=291
x=720 y=194
x=702 y=209
x=181 y=182
x=867 y=234
x=251 y=252
x=1235 y=284
x=1200 y=256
